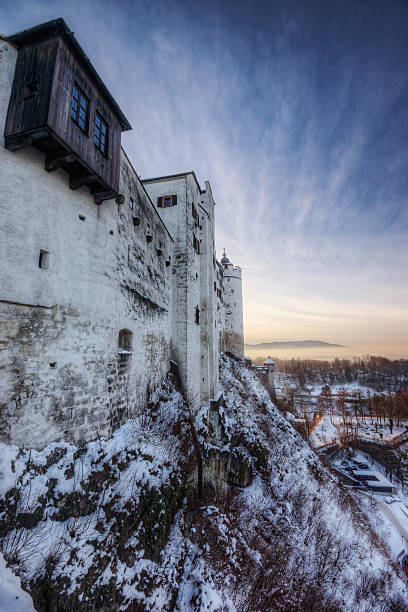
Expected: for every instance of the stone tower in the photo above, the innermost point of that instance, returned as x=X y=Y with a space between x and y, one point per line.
x=270 y=381
x=234 y=329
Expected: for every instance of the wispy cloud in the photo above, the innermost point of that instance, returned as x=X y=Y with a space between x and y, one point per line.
x=296 y=114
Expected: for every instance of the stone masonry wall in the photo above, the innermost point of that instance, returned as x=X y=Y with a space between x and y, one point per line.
x=186 y=277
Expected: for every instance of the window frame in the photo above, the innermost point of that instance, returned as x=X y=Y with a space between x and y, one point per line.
x=103 y=122
x=173 y=201
x=44 y=260
x=125 y=342
x=76 y=119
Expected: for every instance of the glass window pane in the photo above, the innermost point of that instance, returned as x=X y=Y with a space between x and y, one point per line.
x=100 y=133
x=79 y=108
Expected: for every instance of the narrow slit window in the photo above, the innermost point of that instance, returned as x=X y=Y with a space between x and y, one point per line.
x=80 y=108
x=125 y=342
x=44 y=260
x=196 y=244
x=131 y=203
x=101 y=134
x=197 y=315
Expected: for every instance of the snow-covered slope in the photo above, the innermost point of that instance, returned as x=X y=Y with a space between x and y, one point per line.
x=117 y=524
x=12 y=596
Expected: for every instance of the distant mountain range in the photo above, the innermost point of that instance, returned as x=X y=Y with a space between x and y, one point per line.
x=293 y=344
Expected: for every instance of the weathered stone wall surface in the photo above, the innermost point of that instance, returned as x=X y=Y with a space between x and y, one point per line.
x=186 y=278
x=220 y=308
x=209 y=288
x=61 y=373
x=199 y=280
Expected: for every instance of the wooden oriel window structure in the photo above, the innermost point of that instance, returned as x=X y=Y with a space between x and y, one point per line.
x=80 y=108
x=166 y=201
x=55 y=91
x=101 y=134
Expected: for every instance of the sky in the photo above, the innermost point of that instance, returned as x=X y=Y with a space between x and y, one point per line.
x=296 y=112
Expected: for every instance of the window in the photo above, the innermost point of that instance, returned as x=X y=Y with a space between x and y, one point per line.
x=44 y=260
x=194 y=213
x=125 y=342
x=31 y=89
x=101 y=134
x=196 y=244
x=80 y=108
x=166 y=201
x=131 y=203
x=197 y=315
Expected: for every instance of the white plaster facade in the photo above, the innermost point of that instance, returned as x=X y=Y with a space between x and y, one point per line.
x=117 y=266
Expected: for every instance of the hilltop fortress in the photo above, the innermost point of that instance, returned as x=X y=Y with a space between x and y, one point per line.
x=107 y=281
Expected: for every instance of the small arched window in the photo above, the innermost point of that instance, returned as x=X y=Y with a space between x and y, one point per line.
x=125 y=342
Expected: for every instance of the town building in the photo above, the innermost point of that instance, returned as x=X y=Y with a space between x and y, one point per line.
x=106 y=279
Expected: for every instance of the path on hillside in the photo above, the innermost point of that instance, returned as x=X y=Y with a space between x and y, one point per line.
x=391 y=512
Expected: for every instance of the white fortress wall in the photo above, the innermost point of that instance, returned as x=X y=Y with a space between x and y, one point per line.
x=95 y=299
x=62 y=375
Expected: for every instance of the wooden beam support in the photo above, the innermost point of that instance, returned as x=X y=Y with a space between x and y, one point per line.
x=77 y=181
x=101 y=196
x=55 y=160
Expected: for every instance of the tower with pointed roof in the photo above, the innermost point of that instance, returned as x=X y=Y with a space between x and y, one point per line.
x=232 y=290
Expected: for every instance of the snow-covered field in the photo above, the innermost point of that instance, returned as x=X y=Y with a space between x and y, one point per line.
x=331 y=428
x=12 y=596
